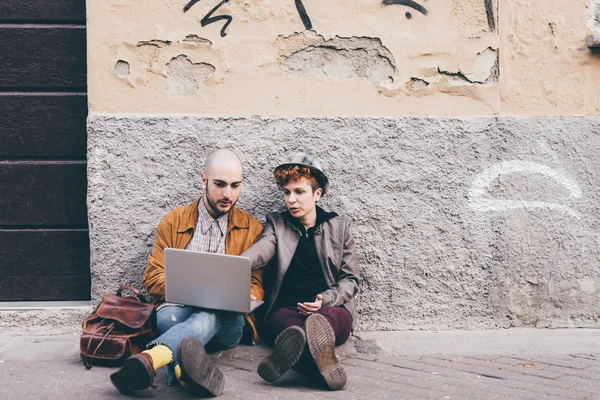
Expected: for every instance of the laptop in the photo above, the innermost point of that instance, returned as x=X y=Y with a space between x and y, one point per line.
x=208 y=280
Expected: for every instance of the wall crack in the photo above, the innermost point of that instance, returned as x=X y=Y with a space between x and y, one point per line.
x=185 y=76
x=309 y=55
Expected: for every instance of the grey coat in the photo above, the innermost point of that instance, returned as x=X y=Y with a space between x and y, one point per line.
x=335 y=248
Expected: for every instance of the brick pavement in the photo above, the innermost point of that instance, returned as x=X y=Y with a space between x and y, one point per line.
x=48 y=367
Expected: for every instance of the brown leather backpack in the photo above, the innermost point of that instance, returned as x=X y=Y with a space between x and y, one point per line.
x=119 y=327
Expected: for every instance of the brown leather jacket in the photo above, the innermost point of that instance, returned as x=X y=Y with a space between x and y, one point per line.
x=335 y=248
x=176 y=230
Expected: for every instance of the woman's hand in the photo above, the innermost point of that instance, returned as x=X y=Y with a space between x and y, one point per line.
x=309 y=308
x=252 y=297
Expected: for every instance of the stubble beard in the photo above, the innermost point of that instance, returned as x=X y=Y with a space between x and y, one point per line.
x=215 y=207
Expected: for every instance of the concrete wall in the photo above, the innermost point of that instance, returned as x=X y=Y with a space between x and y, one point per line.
x=461 y=222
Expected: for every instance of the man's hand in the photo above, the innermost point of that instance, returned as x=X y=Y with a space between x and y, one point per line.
x=252 y=297
x=309 y=308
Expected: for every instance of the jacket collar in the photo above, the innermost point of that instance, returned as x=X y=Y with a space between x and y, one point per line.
x=237 y=219
x=322 y=217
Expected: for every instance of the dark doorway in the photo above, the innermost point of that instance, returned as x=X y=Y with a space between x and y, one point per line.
x=44 y=242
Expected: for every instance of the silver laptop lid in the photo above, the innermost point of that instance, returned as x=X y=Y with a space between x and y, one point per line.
x=215 y=281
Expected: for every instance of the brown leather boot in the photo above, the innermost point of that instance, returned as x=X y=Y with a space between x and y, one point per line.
x=321 y=343
x=289 y=345
x=136 y=373
x=201 y=376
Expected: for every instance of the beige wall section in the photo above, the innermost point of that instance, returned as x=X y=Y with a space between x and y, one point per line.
x=360 y=58
x=546 y=67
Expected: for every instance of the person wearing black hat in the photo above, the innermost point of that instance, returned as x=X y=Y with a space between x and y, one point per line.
x=311 y=307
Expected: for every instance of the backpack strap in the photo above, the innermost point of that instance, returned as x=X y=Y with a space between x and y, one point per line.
x=138 y=294
x=87 y=360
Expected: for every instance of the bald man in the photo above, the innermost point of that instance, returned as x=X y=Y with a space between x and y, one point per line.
x=210 y=224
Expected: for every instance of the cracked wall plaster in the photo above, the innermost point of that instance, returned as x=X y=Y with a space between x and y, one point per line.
x=122 y=68
x=155 y=43
x=185 y=76
x=309 y=55
x=417 y=83
x=485 y=70
x=485 y=66
x=193 y=38
x=460 y=223
x=546 y=66
x=277 y=67
x=593 y=13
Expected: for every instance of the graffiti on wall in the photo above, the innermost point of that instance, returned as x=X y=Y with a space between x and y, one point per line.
x=478 y=193
x=303 y=15
x=209 y=19
x=408 y=3
x=489 y=12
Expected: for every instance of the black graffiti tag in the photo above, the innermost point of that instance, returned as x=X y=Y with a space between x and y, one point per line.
x=489 y=10
x=303 y=15
x=189 y=5
x=408 y=3
x=209 y=19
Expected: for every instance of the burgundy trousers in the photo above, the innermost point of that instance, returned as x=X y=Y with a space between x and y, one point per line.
x=339 y=318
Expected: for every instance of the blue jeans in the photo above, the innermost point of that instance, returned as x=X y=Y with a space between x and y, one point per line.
x=218 y=329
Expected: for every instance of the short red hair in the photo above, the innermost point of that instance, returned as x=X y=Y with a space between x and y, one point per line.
x=295 y=173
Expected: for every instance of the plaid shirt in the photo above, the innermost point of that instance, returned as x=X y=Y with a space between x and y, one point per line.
x=209 y=235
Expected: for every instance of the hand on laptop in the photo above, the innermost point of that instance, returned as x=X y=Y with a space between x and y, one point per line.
x=252 y=297
x=307 y=308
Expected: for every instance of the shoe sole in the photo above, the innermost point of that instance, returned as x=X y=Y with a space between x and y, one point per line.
x=321 y=344
x=201 y=375
x=133 y=375
x=288 y=348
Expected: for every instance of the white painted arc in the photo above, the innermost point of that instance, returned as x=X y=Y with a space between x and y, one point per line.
x=482 y=182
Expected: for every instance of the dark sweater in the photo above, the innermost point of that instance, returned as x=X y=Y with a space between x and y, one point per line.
x=304 y=278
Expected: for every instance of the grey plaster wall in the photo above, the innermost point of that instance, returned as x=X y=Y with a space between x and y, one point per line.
x=460 y=222
x=29 y=321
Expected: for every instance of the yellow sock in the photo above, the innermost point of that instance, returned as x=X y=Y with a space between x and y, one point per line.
x=178 y=376
x=161 y=356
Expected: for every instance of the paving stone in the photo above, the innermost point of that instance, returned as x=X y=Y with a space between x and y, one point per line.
x=527 y=382
x=413 y=364
x=508 y=364
x=593 y=368
x=566 y=361
x=429 y=377
x=582 y=373
x=57 y=372
x=584 y=356
x=553 y=366
x=504 y=391
x=550 y=391
x=245 y=365
x=385 y=389
x=546 y=363
x=407 y=379
x=581 y=385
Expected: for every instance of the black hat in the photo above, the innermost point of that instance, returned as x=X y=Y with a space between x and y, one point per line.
x=304 y=160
